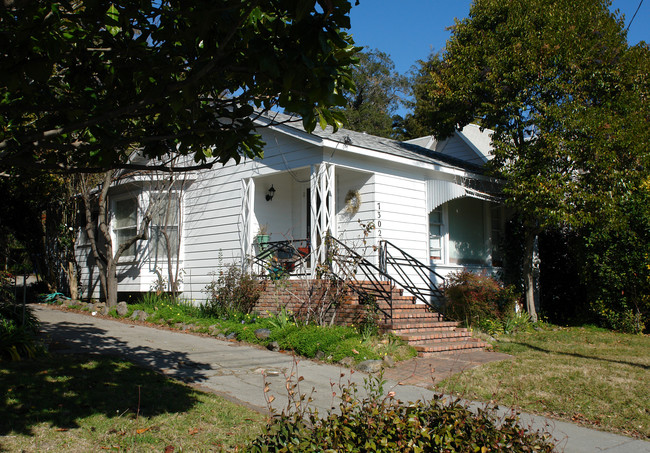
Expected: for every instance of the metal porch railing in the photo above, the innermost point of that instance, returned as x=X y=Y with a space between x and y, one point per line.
x=278 y=258
x=395 y=262
x=362 y=277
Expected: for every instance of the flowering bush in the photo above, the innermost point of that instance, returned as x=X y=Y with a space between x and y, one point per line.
x=474 y=298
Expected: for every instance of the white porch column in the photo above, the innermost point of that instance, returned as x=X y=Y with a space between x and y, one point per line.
x=322 y=203
x=246 y=230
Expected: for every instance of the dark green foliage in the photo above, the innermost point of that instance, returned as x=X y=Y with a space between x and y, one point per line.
x=91 y=80
x=472 y=298
x=18 y=326
x=568 y=101
x=233 y=291
x=381 y=423
x=617 y=270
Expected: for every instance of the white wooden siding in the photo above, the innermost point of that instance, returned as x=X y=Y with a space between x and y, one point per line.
x=457 y=148
x=394 y=198
x=213 y=221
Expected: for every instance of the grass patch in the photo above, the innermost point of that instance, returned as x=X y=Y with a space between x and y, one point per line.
x=586 y=375
x=90 y=403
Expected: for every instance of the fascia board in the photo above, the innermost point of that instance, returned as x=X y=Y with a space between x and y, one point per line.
x=366 y=152
x=291 y=132
x=326 y=143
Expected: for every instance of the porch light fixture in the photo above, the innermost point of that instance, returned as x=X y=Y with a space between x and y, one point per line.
x=270 y=194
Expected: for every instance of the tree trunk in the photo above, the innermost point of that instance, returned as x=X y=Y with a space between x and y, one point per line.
x=71 y=273
x=111 y=285
x=529 y=277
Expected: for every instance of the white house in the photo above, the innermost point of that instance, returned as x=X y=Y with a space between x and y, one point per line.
x=430 y=199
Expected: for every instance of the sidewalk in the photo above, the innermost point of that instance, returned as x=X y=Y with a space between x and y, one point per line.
x=425 y=372
x=236 y=371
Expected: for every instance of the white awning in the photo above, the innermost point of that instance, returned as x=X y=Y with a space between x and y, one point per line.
x=440 y=192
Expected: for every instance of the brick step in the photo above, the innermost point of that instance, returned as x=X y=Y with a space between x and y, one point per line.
x=435 y=337
x=417 y=327
x=367 y=284
x=431 y=320
x=428 y=350
x=400 y=302
x=422 y=326
x=412 y=314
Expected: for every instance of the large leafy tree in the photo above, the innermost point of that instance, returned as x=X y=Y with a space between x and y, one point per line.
x=379 y=93
x=84 y=83
x=556 y=81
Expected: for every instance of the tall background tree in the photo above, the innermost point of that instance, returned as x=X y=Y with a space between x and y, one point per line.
x=379 y=93
x=82 y=84
x=566 y=97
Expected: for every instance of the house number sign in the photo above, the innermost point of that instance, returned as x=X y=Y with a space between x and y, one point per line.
x=378 y=219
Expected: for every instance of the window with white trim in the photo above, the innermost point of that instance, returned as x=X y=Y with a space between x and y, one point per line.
x=165 y=225
x=466 y=231
x=436 y=235
x=467 y=235
x=496 y=235
x=126 y=223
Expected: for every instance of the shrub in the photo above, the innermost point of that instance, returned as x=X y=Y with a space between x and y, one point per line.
x=515 y=322
x=232 y=291
x=473 y=298
x=378 y=423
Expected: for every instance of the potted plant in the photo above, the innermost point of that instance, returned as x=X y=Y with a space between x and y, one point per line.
x=262 y=237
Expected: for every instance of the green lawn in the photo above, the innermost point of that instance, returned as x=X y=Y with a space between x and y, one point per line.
x=333 y=342
x=586 y=375
x=95 y=403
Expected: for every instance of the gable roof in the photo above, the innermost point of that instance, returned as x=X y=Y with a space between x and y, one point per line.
x=348 y=137
x=471 y=144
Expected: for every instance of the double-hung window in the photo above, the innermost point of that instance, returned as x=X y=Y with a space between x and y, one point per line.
x=165 y=225
x=126 y=218
x=496 y=236
x=436 y=234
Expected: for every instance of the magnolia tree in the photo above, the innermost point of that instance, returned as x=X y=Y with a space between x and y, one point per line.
x=83 y=83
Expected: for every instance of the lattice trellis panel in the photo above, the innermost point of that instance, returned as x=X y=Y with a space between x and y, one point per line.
x=246 y=221
x=322 y=209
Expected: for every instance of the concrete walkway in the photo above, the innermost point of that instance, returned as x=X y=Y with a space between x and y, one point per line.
x=239 y=372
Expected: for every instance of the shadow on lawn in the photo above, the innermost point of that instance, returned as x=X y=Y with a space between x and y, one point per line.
x=63 y=388
x=582 y=356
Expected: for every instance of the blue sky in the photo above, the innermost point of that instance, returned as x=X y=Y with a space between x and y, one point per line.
x=408 y=30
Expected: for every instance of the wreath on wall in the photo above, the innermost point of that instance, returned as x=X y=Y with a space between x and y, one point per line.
x=352 y=202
